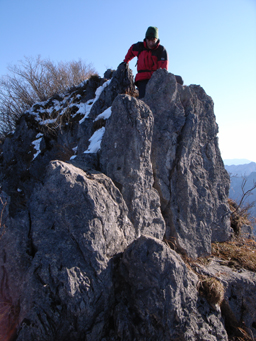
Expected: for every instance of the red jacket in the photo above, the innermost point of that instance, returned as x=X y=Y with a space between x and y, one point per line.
x=149 y=60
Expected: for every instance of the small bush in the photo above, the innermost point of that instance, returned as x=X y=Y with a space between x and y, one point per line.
x=239 y=216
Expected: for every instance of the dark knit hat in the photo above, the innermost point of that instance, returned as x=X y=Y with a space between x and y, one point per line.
x=152 y=32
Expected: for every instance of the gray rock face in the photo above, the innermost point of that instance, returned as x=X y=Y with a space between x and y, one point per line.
x=72 y=234
x=240 y=293
x=53 y=129
x=82 y=255
x=121 y=83
x=160 y=294
x=189 y=172
x=125 y=158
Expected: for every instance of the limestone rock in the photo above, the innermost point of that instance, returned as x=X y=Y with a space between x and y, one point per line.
x=158 y=297
x=239 y=308
x=64 y=286
x=125 y=158
x=82 y=255
x=121 y=83
x=189 y=172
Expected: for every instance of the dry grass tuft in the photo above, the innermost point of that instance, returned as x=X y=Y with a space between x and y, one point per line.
x=63 y=152
x=238 y=252
x=212 y=289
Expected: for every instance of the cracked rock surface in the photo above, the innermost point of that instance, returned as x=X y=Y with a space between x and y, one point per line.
x=94 y=181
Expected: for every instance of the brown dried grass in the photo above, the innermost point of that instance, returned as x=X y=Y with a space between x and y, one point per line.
x=238 y=252
x=212 y=289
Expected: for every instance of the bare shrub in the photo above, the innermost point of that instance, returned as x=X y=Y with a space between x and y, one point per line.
x=240 y=209
x=239 y=216
x=33 y=80
x=64 y=152
x=245 y=194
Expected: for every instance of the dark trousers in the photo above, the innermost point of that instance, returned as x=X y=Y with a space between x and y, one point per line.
x=142 y=87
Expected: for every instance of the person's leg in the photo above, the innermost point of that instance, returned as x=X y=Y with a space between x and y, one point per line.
x=142 y=87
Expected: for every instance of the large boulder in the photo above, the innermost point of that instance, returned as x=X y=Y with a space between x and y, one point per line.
x=158 y=298
x=55 y=265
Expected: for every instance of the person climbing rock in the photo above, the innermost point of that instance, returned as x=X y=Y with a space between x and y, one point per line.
x=151 y=56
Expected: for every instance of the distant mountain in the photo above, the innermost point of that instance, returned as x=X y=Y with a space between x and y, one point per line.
x=241 y=170
x=230 y=162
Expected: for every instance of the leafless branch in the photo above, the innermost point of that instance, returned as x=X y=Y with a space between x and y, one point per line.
x=34 y=80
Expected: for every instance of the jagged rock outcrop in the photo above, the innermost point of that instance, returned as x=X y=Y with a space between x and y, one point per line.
x=56 y=129
x=94 y=181
x=189 y=172
x=125 y=158
x=69 y=239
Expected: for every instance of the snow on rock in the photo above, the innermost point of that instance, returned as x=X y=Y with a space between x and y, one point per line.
x=95 y=141
x=36 y=144
x=104 y=115
x=88 y=106
x=84 y=109
x=43 y=111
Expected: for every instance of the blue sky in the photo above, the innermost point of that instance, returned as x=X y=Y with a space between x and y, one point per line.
x=209 y=42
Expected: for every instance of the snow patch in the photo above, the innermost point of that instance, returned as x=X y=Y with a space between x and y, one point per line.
x=104 y=115
x=49 y=121
x=36 y=144
x=95 y=141
x=60 y=107
x=75 y=151
x=97 y=95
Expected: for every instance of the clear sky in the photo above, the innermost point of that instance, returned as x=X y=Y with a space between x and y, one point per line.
x=209 y=42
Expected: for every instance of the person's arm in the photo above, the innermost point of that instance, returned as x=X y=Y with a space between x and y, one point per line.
x=130 y=54
x=163 y=62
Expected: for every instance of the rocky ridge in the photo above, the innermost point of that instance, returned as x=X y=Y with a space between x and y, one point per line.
x=94 y=183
